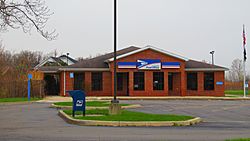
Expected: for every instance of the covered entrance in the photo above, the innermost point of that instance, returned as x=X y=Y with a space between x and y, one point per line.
x=123 y=84
x=174 y=84
x=52 y=84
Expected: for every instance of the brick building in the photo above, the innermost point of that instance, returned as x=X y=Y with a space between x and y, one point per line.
x=147 y=71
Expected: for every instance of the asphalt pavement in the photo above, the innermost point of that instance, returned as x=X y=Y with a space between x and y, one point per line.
x=38 y=122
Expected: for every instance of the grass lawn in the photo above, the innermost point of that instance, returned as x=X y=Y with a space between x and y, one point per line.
x=234 y=92
x=89 y=103
x=19 y=99
x=238 y=139
x=128 y=116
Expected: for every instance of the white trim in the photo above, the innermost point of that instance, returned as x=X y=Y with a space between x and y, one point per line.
x=49 y=71
x=44 y=62
x=84 y=69
x=148 y=47
x=206 y=69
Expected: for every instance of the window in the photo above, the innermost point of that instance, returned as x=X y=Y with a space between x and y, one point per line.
x=158 y=80
x=138 y=80
x=119 y=81
x=79 y=81
x=192 y=83
x=96 y=78
x=209 y=81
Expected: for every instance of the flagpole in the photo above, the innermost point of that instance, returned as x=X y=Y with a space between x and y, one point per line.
x=244 y=79
x=244 y=61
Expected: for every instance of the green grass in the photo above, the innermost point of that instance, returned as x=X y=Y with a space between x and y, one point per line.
x=128 y=116
x=234 y=92
x=20 y=99
x=238 y=139
x=89 y=104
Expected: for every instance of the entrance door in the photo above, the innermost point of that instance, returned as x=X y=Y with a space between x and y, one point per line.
x=122 y=84
x=174 y=84
x=52 y=84
x=79 y=81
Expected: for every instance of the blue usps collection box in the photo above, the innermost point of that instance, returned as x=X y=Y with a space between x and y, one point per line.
x=79 y=103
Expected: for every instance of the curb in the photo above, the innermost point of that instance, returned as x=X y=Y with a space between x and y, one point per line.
x=171 y=98
x=71 y=120
x=91 y=108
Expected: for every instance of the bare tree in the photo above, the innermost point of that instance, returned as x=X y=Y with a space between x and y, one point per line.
x=25 y=14
x=236 y=71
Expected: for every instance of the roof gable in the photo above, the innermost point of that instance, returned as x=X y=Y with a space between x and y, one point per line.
x=149 y=47
x=99 y=61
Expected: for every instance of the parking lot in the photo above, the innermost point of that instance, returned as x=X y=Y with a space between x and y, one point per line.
x=222 y=120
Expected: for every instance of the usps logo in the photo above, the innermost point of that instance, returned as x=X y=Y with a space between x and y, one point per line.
x=79 y=103
x=149 y=64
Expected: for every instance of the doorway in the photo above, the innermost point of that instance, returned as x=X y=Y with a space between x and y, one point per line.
x=52 y=84
x=123 y=84
x=174 y=84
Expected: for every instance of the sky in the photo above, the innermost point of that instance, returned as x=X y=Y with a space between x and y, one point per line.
x=191 y=28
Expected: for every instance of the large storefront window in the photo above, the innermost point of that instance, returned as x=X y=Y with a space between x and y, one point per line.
x=209 y=81
x=96 y=78
x=158 y=80
x=139 y=81
x=192 y=83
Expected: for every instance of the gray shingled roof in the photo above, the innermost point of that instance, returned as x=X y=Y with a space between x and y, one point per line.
x=192 y=64
x=98 y=62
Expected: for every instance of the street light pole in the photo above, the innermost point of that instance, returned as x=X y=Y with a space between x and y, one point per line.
x=212 y=53
x=115 y=46
x=67 y=59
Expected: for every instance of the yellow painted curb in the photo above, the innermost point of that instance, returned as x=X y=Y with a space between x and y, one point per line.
x=71 y=120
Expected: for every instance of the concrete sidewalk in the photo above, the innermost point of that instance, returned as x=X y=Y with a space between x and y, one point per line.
x=51 y=99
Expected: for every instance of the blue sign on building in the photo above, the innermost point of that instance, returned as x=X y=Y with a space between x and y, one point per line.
x=219 y=83
x=171 y=65
x=79 y=103
x=149 y=64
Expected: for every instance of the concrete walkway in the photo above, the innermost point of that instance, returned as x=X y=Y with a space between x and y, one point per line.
x=51 y=99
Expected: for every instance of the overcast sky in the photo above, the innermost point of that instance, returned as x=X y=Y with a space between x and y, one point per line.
x=190 y=28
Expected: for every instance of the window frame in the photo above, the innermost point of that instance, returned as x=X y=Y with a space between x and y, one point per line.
x=96 y=81
x=158 y=76
x=140 y=81
x=206 y=81
x=189 y=85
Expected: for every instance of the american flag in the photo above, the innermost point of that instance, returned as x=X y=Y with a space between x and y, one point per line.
x=244 y=44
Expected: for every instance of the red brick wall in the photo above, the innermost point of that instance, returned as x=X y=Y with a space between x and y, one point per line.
x=179 y=87
x=150 y=54
x=218 y=89
x=70 y=84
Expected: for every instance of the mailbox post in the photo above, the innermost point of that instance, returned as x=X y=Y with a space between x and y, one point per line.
x=79 y=103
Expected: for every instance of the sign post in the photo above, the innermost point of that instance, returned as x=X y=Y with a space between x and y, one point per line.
x=79 y=103
x=29 y=85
